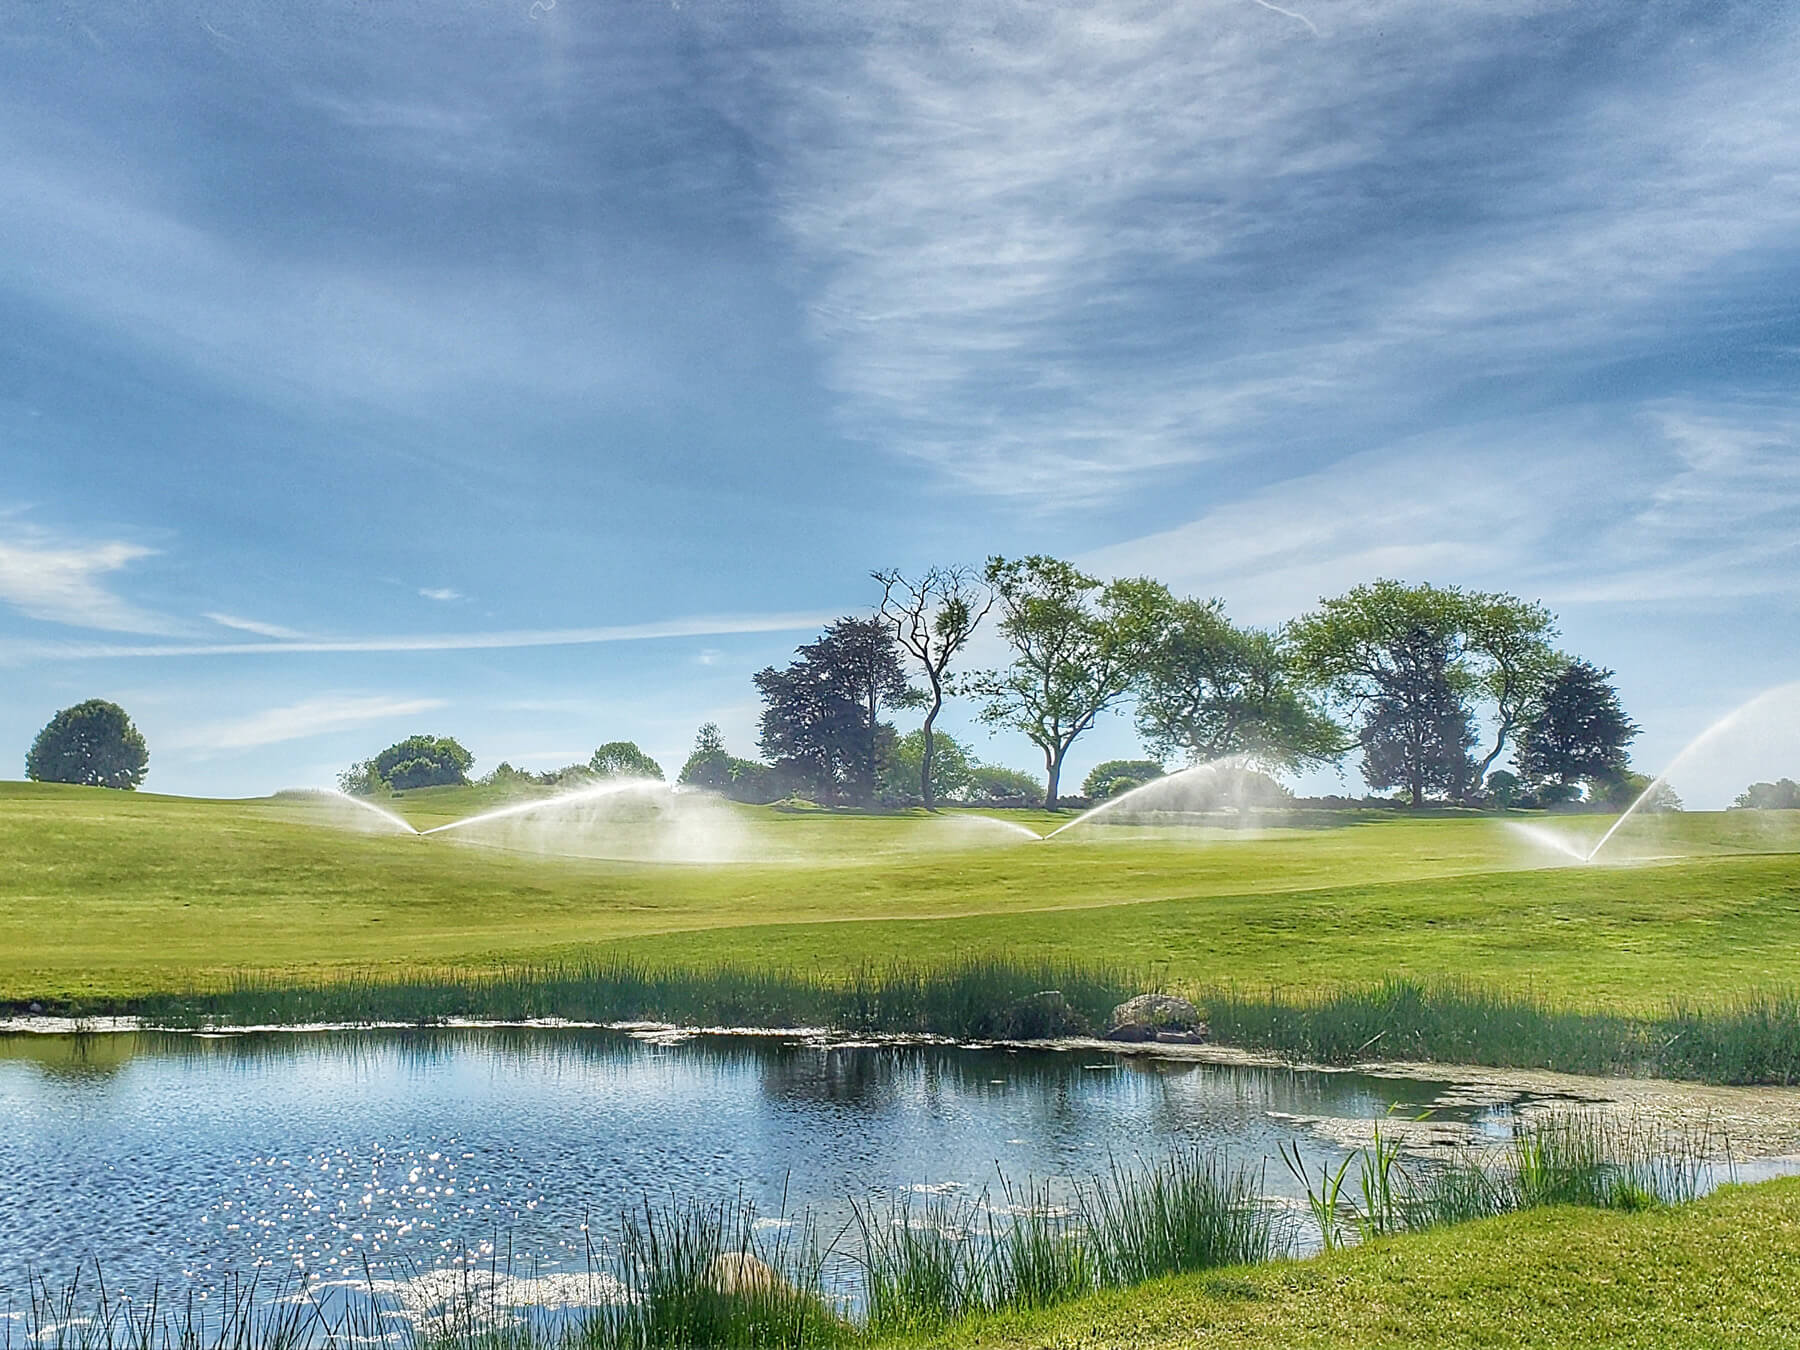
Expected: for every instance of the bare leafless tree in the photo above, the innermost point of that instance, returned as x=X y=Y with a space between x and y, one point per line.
x=933 y=619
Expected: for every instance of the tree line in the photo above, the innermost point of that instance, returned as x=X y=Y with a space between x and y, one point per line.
x=1404 y=676
x=1399 y=673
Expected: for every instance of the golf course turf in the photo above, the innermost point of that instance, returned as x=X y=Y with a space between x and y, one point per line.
x=108 y=896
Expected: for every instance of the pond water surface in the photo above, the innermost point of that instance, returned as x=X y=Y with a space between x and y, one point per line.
x=179 y=1160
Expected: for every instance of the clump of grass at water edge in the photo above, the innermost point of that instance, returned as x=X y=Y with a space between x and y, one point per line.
x=1569 y=1158
x=1754 y=1040
x=991 y=999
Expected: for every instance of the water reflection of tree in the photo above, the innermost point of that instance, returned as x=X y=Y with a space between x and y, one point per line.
x=1058 y=1091
x=78 y=1054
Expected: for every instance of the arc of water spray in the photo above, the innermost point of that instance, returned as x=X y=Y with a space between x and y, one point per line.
x=398 y=822
x=611 y=788
x=1693 y=747
x=1211 y=767
x=1549 y=839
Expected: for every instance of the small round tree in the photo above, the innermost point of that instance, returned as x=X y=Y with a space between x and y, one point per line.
x=423 y=761
x=93 y=744
x=622 y=759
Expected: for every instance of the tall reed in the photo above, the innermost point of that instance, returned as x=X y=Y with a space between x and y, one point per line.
x=1568 y=1158
x=979 y=999
x=933 y=1263
x=1753 y=1040
x=1188 y=1212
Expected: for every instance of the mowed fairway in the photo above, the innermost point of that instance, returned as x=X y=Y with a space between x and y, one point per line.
x=106 y=895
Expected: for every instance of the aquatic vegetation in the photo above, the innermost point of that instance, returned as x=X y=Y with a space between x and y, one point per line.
x=1567 y=1158
x=1189 y=1212
x=928 y=1264
x=1755 y=1040
x=980 y=999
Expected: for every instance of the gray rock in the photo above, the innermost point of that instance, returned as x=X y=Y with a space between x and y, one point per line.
x=1131 y=1031
x=742 y=1273
x=1156 y=1017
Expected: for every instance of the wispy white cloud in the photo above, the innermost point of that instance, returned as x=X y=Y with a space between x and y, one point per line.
x=268 y=630
x=297 y=721
x=192 y=290
x=427 y=642
x=59 y=581
x=443 y=593
x=1670 y=507
x=1059 y=254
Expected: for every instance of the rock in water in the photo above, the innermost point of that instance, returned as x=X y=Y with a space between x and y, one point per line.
x=1155 y=1017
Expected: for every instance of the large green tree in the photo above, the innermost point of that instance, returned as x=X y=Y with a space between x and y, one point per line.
x=1579 y=730
x=1078 y=648
x=709 y=766
x=1417 y=731
x=932 y=620
x=713 y=767
x=93 y=744
x=1781 y=795
x=821 y=719
x=1379 y=640
x=1210 y=689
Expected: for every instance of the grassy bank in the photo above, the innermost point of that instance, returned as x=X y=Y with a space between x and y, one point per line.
x=107 y=896
x=1713 y=1275
x=1752 y=1040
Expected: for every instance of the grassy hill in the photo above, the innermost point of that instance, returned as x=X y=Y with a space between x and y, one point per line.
x=106 y=895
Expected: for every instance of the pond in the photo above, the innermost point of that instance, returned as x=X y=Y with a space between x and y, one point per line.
x=181 y=1160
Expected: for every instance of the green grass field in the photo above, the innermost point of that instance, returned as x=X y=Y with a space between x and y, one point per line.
x=109 y=895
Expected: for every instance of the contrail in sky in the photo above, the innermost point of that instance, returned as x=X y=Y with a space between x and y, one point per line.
x=426 y=642
x=1290 y=13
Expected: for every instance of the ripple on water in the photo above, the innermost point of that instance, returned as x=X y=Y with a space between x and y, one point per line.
x=417 y=1158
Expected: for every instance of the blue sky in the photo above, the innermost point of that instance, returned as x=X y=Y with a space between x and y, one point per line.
x=535 y=372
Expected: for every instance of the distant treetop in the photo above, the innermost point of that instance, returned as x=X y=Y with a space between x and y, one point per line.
x=422 y=761
x=623 y=759
x=93 y=744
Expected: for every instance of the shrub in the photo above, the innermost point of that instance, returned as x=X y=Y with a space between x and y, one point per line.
x=1781 y=795
x=1119 y=775
x=991 y=785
